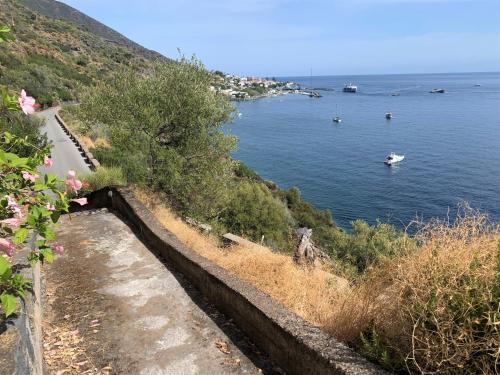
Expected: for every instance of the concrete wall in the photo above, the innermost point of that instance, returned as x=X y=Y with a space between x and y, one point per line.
x=295 y=345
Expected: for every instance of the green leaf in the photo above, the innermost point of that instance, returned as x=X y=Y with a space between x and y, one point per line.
x=47 y=233
x=39 y=243
x=9 y=303
x=39 y=185
x=48 y=255
x=4 y=265
x=55 y=216
x=33 y=258
x=20 y=235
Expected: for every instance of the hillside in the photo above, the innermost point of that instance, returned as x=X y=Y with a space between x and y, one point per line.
x=58 y=10
x=53 y=57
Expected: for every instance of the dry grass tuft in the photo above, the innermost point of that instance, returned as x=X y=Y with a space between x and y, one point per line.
x=310 y=293
x=437 y=309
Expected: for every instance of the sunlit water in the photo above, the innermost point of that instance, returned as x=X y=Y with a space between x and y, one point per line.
x=451 y=144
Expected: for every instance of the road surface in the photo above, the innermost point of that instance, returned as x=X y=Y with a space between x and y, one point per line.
x=65 y=154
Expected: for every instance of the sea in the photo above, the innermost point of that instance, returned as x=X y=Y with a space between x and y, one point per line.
x=451 y=144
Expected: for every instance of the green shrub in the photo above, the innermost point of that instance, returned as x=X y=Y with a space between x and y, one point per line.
x=133 y=169
x=105 y=176
x=253 y=212
x=26 y=127
x=376 y=351
x=243 y=171
x=367 y=244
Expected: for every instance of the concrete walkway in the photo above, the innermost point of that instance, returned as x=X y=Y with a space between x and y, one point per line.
x=64 y=154
x=133 y=315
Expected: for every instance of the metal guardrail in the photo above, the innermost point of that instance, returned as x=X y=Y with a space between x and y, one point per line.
x=87 y=155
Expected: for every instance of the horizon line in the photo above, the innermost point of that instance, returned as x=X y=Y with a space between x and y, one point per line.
x=365 y=74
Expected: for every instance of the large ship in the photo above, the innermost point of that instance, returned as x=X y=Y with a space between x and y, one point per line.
x=350 y=88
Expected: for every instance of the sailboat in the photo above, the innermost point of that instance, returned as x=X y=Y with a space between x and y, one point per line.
x=337 y=118
x=312 y=93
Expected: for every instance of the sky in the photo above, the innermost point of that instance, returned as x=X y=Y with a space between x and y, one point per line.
x=331 y=37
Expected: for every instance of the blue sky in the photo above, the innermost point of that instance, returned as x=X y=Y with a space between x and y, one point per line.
x=290 y=37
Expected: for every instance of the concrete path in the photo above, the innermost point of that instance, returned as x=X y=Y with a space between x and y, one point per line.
x=132 y=314
x=65 y=155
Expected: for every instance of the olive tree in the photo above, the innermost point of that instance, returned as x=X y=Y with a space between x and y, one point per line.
x=166 y=123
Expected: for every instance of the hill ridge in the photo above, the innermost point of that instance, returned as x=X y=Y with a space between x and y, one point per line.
x=58 y=10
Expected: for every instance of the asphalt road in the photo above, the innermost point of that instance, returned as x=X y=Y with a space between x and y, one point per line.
x=65 y=154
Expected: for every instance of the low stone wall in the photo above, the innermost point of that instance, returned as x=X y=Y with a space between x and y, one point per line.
x=86 y=154
x=295 y=345
x=21 y=335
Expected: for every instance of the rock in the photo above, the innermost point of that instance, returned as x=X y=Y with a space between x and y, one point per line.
x=205 y=228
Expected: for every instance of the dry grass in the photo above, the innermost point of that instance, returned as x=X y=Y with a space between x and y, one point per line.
x=438 y=309
x=73 y=123
x=434 y=311
x=310 y=293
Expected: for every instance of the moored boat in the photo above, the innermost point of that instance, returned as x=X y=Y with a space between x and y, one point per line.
x=350 y=88
x=393 y=158
x=388 y=115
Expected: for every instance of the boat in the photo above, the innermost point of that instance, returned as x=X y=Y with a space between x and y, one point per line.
x=337 y=118
x=314 y=94
x=395 y=94
x=393 y=158
x=388 y=115
x=477 y=85
x=350 y=88
x=437 y=91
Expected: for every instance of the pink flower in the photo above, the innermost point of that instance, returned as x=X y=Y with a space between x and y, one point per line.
x=13 y=222
x=80 y=201
x=50 y=207
x=58 y=249
x=47 y=162
x=29 y=177
x=72 y=183
x=13 y=207
x=27 y=103
x=7 y=246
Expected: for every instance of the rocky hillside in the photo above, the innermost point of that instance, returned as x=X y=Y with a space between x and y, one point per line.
x=58 y=50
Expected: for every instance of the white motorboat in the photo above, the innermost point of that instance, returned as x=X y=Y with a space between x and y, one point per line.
x=350 y=88
x=393 y=158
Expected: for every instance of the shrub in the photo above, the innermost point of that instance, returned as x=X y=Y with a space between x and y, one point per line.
x=24 y=127
x=437 y=308
x=133 y=170
x=369 y=244
x=241 y=170
x=253 y=212
x=105 y=176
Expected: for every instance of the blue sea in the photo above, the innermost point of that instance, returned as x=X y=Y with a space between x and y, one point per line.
x=451 y=144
